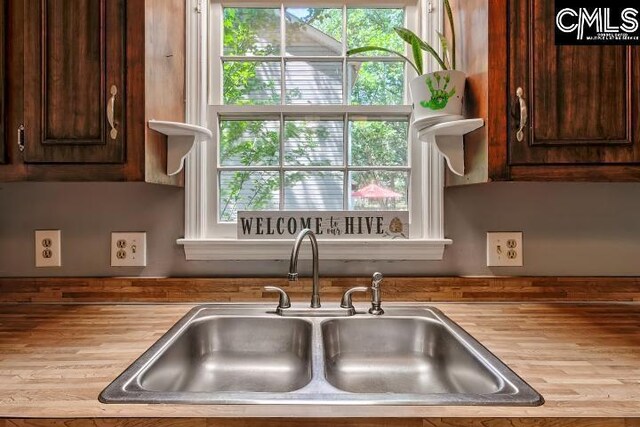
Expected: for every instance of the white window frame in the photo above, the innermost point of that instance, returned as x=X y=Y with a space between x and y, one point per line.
x=205 y=239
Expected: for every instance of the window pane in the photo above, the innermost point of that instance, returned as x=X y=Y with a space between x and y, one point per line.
x=251 y=31
x=245 y=190
x=314 y=82
x=378 y=143
x=251 y=83
x=249 y=143
x=313 y=31
x=313 y=142
x=376 y=83
x=313 y=190
x=378 y=190
x=374 y=27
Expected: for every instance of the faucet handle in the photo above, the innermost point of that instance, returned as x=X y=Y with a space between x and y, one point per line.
x=346 y=298
x=283 y=302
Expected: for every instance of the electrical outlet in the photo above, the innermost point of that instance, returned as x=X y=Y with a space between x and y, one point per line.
x=504 y=249
x=129 y=249
x=48 y=248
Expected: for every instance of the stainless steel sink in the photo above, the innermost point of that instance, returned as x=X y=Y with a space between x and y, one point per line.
x=407 y=355
x=216 y=354
x=246 y=354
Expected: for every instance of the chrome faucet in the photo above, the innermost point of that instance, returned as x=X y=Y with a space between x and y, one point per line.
x=376 y=300
x=293 y=264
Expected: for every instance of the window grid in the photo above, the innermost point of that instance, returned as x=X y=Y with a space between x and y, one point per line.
x=346 y=117
x=283 y=58
x=346 y=168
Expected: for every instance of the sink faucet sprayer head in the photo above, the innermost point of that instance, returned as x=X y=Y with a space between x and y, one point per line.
x=376 y=279
x=376 y=295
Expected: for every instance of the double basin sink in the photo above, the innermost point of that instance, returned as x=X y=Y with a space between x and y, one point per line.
x=246 y=354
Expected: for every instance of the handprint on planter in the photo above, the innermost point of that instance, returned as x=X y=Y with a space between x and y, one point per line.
x=439 y=95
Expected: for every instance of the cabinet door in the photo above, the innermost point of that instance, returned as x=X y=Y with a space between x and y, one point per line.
x=3 y=52
x=74 y=95
x=582 y=100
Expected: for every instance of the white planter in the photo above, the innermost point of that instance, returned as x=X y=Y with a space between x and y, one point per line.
x=437 y=95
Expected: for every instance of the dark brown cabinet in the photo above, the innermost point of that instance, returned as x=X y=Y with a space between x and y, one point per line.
x=85 y=76
x=582 y=102
x=74 y=83
x=3 y=39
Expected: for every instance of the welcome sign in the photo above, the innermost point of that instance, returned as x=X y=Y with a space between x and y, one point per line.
x=325 y=224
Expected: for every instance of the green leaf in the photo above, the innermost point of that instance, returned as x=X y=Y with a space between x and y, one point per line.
x=445 y=48
x=364 y=49
x=447 y=8
x=410 y=37
x=417 y=56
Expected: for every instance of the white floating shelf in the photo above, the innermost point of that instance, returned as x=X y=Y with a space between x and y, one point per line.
x=448 y=139
x=181 y=137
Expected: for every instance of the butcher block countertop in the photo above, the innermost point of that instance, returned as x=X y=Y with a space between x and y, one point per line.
x=583 y=358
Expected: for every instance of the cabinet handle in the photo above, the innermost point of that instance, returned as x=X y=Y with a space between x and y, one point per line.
x=523 y=114
x=111 y=111
x=21 y=138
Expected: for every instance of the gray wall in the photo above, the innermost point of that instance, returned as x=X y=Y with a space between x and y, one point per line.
x=569 y=229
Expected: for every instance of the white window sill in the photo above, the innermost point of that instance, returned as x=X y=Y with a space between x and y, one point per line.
x=233 y=249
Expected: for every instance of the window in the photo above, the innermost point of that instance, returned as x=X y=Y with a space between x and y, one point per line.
x=304 y=158
x=298 y=125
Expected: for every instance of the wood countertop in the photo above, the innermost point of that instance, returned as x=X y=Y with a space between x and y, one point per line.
x=583 y=358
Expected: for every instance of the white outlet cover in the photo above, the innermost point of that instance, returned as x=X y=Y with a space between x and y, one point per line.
x=48 y=248
x=504 y=249
x=129 y=249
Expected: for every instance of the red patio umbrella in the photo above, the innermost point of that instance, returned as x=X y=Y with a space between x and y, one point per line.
x=374 y=191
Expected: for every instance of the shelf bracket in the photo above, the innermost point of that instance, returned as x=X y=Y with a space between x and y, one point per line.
x=448 y=139
x=181 y=138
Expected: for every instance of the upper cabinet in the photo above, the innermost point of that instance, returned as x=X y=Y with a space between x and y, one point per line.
x=85 y=78
x=3 y=40
x=74 y=81
x=567 y=113
x=582 y=100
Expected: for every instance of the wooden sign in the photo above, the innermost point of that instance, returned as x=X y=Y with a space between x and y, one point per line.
x=325 y=224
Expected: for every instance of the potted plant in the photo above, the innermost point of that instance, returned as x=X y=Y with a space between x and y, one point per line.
x=434 y=95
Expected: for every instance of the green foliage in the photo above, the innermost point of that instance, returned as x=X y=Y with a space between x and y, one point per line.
x=312 y=137
x=366 y=87
x=257 y=142
x=242 y=26
x=378 y=143
x=365 y=49
x=249 y=143
x=374 y=27
x=447 y=8
x=329 y=21
x=234 y=197
x=418 y=46
x=445 y=49
x=417 y=56
x=241 y=81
